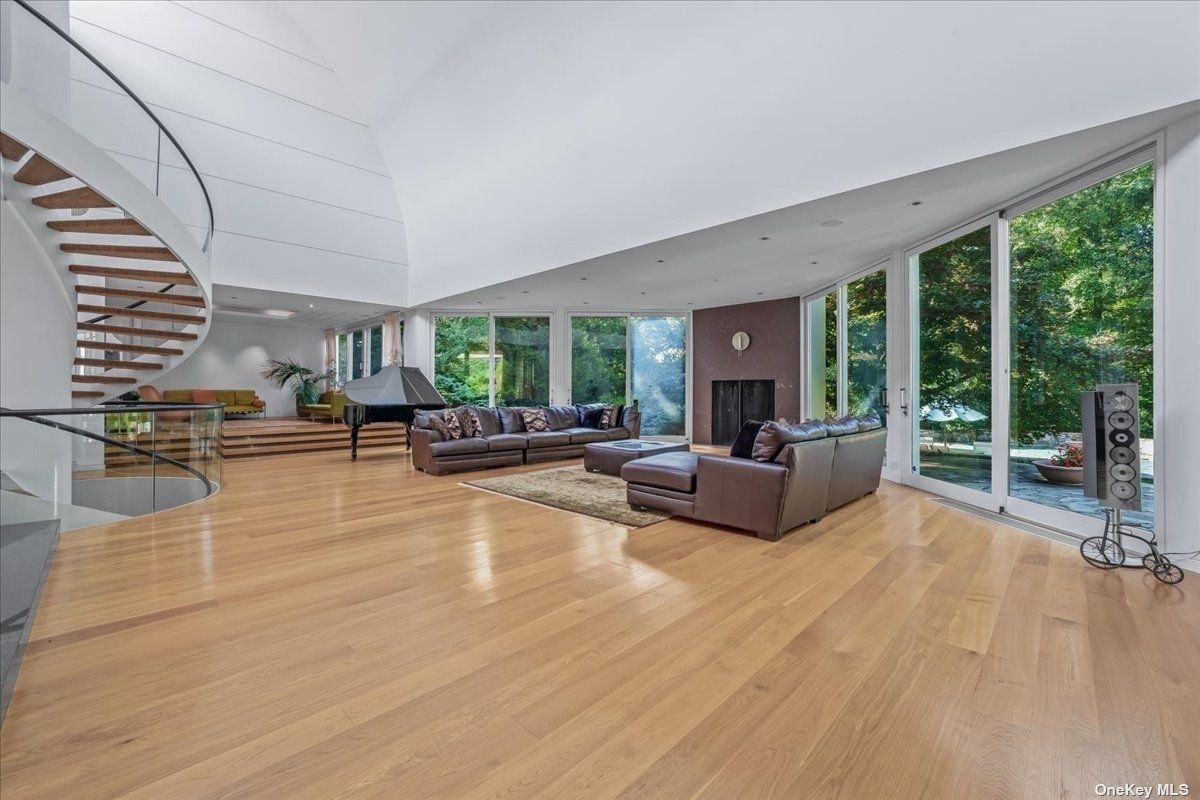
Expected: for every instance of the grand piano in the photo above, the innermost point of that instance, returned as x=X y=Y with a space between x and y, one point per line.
x=394 y=394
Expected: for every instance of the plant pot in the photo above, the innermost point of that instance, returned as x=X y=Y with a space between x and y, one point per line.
x=1071 y=476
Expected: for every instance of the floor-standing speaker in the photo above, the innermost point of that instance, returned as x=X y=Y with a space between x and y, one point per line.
x=1111 y=447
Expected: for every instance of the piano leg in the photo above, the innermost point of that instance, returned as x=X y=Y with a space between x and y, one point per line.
x=354 y=443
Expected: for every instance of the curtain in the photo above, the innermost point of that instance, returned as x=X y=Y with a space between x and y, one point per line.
x=393 y=346
x=331 y=350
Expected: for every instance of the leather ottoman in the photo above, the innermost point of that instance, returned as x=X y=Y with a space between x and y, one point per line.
x=609 y=457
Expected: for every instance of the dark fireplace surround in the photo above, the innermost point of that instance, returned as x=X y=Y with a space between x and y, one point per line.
x=738 y=401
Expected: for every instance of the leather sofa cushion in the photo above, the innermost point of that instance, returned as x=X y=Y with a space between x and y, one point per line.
x=869 y=422
x=244 y=397
x=489 y=420
x=458 y=447
x=506 y=441
x=617 y=433
x=421 y=418
x=584 y=435
x=227 y=396
x=184 y=396
x=562 y=417
x=774 y=436
x=666 y=470
x=510 y=419
x=842 y=426
x=548 y=438
x=204 y=395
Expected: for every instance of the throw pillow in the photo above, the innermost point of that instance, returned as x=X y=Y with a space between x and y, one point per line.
x=869 y=422
x=608 y=418
x=454 y=429
x=468 y=418
x=743 y=445
x=535 y=419
x=438 y=424
x=842 y=425
x=774 y=436
x=204 y=395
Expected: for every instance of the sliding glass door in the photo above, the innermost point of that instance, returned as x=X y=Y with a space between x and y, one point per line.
x=1082 y=308
x=951 y=405
x=627 y=358
x=482 y=359
x=1011 y=319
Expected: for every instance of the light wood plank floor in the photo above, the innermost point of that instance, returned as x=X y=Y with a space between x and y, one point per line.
x=322 y=629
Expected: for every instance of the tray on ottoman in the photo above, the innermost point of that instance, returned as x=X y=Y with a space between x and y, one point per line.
x=609 y=457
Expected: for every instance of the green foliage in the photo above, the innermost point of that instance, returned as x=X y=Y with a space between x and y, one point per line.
x=866 y=343
x=831 y=354
x=460 y=359
x=522 y=361
x=290 y=374
x=1083 y=302
x=659 y=381
x=598 y=348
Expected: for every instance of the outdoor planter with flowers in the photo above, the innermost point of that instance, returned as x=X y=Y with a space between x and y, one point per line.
x=1065 y=466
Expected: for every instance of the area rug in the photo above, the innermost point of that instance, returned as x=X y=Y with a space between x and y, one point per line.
x=573 y=489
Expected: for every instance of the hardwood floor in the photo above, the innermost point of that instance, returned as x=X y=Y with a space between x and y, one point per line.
x=324 y=629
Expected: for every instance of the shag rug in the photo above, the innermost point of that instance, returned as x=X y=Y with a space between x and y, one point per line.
x=593 y=494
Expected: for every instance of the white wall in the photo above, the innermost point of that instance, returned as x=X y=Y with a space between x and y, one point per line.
x=303 y=200
x=1180 y=365
x=37 y=338
x=524 y=136
x=232 y=356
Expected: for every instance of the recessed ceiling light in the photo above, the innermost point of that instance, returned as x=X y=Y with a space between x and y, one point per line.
x=643 y=292
x=764 y=238
x=833 y=223
x=915 y=203
x=310 y=305
x=233 y=297
x=276 y=312
x=716 y=280
x=585 y=302
x=661 y=260
x=480 y=302
x=583 y=279
x=814 y=263
x=501 y=297
x=524 y=291
x=760 y=294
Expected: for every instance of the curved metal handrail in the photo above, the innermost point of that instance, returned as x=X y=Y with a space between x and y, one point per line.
x=163 y=128
x=35 y=416
x=128 y=405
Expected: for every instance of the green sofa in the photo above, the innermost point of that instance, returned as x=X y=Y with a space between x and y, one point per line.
x=237 y=401
x=328 y=406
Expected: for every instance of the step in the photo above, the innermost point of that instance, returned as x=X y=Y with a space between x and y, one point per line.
x=83 y=197
x=145 y=333
x=120 y=251
x=110 y=363
x=86 y=393
x=279 y=450
x=118 y=226
x=267 y=441
x=137 y=313
x=100 y=379
x=172 y=298
x=11 y=149
x=38 y=170
x=229 y=432
x=148 y=275
x=129 y=348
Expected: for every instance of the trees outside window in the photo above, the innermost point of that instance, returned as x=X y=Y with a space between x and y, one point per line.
x=460 y=359
x=598 y=356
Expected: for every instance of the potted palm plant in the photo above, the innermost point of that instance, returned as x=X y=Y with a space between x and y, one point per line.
x=287 y=373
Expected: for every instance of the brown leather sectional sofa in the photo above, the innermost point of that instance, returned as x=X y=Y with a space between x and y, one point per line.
x=800 y=484
x=505 y=441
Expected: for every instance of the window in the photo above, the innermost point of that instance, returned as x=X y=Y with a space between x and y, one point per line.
x=492 y=360
x=356 y=354
x=376 y=353
x=522 y=361
x=359 y=353
x=847 y=348
x=599 y=359
x=658 y=373
x=342 y=363
x=1082 y=309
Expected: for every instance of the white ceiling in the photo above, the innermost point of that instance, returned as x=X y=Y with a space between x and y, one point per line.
x=524 y=136
x=239 y=302
x=731 y=263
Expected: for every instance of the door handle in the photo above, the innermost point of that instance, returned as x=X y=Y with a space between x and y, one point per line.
x=883 y=400
x=904 y=401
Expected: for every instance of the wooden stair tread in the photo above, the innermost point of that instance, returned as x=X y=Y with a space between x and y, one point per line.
x=170 y=298
x=146 y=333
x=129 y=348
x=149 y=275
x=101 y=379
x=119 y=226
x=86 y=393
x=279 y=450
x=11 y=149
x=228 y=433
x=142 y=252
x=39 y=170
x=82 y=197
x=116 y=364
x=301 y=439
x=137 y=313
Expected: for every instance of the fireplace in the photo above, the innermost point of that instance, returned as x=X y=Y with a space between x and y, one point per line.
x=736 y=402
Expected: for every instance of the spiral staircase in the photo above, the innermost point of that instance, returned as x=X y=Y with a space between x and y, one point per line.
x=133 y=274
